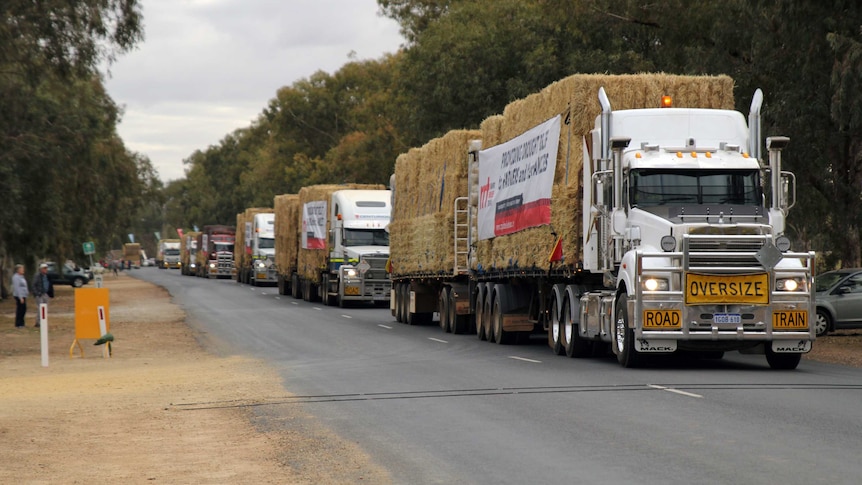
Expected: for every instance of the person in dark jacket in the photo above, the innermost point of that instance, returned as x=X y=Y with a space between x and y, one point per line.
x=42 y=289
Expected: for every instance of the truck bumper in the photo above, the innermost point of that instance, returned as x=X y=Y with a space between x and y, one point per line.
x=366 y=290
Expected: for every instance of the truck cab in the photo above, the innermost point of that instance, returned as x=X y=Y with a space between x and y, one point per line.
x=359 y=245
x=691 y=246
x=263 y=250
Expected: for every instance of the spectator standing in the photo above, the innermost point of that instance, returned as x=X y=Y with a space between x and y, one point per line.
x=42 y=289
x=20 y=291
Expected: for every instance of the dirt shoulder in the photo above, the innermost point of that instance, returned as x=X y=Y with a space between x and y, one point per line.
x=137 y=416
x=134 y=418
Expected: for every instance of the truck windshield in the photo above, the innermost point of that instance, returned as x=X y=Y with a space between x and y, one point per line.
x=366 y=237
x=651 y=187
x=223 y=246
x=266 y=243
x=172 y=252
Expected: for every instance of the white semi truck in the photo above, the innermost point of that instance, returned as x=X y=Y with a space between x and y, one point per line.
x=261 y=241
x=682 y=242
x=344 y=246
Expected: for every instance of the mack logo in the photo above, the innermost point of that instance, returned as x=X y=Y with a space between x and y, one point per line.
x=800 y=346
x=646 y=347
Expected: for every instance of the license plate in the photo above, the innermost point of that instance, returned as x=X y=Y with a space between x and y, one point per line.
x=351 y=290
x=727 y=318
x=790 y=320
x=703 y=289
x=662 y=319
x=261 y=276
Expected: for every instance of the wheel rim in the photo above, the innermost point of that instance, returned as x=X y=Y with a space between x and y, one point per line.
x=568 y=328
x=621 y=333
x=821 y=324
x=555 y=323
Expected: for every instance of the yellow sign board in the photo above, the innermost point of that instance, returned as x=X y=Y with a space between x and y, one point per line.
x=662 y=319
x=790 y=320
x=89 y=302
x=701 y=289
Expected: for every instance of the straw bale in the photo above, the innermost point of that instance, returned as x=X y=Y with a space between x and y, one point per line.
x=310 y=262
x=287 y=223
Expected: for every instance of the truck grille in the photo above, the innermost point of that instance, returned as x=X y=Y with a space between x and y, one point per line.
x=378 y=268
x=727 y=251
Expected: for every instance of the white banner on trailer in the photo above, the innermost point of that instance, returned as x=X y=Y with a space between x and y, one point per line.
x=314 y=225
x=516 y=179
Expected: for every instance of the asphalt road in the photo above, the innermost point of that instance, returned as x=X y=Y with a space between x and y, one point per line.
x=441 y=408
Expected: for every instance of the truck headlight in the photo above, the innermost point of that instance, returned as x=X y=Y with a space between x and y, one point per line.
x=791 y=284
x=652 y=283
x=350 y=273
x=261 y=264
x=212 y=265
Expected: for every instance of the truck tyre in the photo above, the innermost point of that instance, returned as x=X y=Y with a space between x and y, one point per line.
x=576 y=346
x=404 y=300
x=487 y=327
x=624 y=337
x=555 y=327
x=443 y=309
x=781 y=361
x=294 y=286
x=78 y=282
x=457 y=323
x=397 y=302
x=480 y=312
x=280 y=284
x=324 y=287
x=501 y=336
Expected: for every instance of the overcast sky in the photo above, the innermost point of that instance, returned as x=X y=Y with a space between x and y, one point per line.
x=208 y=67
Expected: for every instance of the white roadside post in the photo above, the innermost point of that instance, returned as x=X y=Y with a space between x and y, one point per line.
x=103 y=329
x=43 y=332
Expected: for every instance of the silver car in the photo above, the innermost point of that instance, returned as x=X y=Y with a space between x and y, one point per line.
x=839 y=300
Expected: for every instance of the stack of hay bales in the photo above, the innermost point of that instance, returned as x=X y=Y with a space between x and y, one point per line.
x=310 y=262
x=427 y=182
x=241 y=254
x=287 y=222
x=576 y=99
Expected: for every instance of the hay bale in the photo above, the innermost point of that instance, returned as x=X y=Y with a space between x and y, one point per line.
x=287 y=223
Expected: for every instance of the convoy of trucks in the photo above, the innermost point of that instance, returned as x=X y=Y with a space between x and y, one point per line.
x=169 y=254
x=597 y=211
x=664 y=233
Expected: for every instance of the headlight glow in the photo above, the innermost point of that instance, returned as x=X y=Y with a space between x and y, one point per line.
x=351 y=273
x=790 y=284
x=655 y=284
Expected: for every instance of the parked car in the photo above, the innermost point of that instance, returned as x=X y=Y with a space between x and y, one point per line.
x=70 y=275
x=839 y=300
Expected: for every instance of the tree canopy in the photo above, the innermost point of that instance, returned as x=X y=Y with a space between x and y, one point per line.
x=464 y=60
x=65 y=175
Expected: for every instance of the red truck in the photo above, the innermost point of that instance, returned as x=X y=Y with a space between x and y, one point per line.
x=216 y=254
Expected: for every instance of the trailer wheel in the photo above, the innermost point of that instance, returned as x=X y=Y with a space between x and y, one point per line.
x=480 y=312
x=781 y=361
x=443 y=309
x=576 y=346
x=457 y=323
x=501 y=336
x=294 y=286
x=486 y=317
x=280 y=279
x=624 y=337
x=554 y=329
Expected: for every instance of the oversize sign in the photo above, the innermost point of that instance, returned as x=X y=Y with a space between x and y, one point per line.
x=703 y=289
x=314 y=225
x=515 y=181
